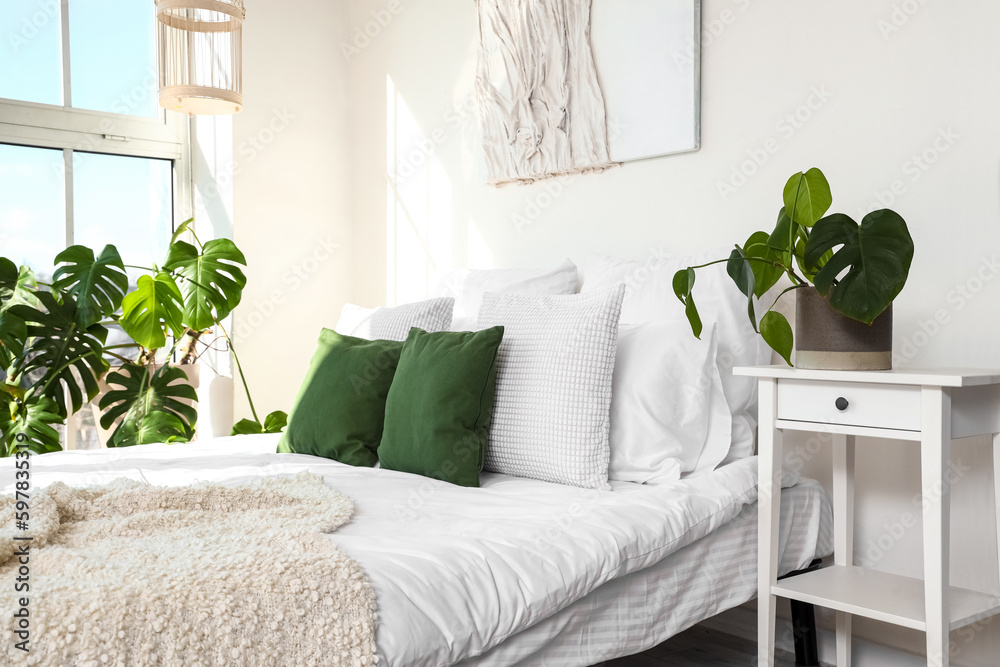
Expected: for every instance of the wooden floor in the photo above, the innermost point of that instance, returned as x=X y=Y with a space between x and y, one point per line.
x=700 y=646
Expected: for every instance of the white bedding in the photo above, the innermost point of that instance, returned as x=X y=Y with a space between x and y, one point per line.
x=640 y=610
x=456 y=570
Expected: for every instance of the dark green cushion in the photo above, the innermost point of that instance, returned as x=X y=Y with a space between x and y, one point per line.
x=340 y=409
x=437 y=416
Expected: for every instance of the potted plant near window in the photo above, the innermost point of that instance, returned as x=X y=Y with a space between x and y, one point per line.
x=54 y=351
x=845 y=276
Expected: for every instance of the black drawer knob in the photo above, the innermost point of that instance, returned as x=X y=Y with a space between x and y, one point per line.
x=842 y=403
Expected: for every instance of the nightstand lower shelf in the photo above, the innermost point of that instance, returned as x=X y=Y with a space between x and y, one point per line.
x=884 y=597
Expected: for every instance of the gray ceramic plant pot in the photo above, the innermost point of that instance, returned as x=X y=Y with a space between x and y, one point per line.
x=827 y=340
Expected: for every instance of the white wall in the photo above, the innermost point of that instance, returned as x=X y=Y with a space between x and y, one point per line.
x=292 y=190
x=874 y=88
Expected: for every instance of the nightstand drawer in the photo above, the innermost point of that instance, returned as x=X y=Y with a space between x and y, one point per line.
x=850 y=403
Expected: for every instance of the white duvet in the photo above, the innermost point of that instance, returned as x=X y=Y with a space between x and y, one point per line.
x=456 y=570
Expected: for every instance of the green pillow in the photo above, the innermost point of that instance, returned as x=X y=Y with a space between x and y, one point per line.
x=339 y=411
x=437 y=416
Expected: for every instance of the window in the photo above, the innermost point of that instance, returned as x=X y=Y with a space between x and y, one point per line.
x=32 y=205
x=86 y=154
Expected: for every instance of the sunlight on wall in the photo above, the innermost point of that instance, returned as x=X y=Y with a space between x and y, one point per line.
x=418 y=206
x=479 y=254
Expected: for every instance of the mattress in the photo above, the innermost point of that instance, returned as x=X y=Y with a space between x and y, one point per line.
x=459 y=572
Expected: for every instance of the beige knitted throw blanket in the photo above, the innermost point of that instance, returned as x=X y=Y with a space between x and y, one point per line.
x=133 y=574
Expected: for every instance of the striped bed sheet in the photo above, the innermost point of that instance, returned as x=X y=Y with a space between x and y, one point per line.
x=640 y=610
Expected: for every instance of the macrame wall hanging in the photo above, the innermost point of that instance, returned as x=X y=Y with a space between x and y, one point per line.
x=540 y=100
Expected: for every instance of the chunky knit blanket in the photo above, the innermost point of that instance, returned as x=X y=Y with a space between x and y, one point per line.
x=133 y=574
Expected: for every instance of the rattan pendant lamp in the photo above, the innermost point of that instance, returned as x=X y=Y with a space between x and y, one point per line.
x=200 y=46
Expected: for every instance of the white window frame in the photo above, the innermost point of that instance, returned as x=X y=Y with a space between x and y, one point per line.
x=168 y=136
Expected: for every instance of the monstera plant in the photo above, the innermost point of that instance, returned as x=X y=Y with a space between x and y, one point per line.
x=860 y=268
x=54 y=351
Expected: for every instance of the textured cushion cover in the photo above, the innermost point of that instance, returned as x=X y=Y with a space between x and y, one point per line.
x=339 y=411
x=554 y=372
x=469 y=285
x=650 y=297
x=395 y=323
x=668 y=411
x=437 y=416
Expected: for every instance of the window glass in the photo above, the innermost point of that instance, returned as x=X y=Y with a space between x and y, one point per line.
x=124 y=201
x=32 y=207
x=31 y=51
x=113 y=57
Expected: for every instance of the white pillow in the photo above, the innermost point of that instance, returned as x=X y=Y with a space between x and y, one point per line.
x=553 y=397
x=395 y=323
x=650 y=297
x=668 y=411
x=468 y=286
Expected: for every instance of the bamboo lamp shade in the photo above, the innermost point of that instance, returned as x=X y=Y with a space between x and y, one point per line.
x=200 y=45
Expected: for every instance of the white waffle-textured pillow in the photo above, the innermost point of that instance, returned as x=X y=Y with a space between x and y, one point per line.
x=395 y=323
x=554 y=372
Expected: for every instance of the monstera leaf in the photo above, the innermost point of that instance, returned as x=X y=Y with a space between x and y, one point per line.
x=66 y=354
x=151 y=405
x=211 y=281
x=98 y=284
x=876 y=255
x=185 y=227
x=154 y=428
x=13 y=335
x=17 y=286
x=8 y=279
x=807 y=197
x=29 y=420
x=273 y=423
x=155 y=305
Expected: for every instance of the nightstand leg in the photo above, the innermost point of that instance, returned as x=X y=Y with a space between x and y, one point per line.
x=768 y=516
x=996 y=487
x=935 y=454
x=843 y=530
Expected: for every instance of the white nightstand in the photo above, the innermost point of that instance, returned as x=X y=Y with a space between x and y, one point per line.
x=930 y=407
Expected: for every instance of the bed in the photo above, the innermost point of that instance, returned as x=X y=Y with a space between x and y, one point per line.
x=518 y=571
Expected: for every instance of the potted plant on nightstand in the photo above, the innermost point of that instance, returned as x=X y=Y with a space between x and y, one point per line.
x=845 y=277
